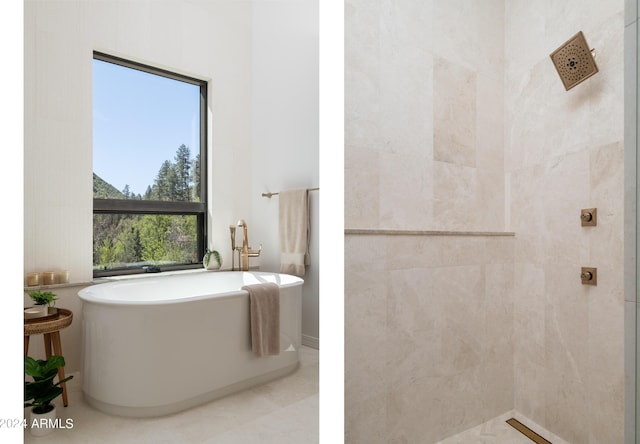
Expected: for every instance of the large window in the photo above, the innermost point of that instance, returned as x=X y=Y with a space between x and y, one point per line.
x=149 y=158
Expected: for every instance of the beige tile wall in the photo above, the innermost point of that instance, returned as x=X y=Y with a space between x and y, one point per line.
x=455 y=119
x=564 y=152
x=424 y=115
x=428 y=319
x=428 y=336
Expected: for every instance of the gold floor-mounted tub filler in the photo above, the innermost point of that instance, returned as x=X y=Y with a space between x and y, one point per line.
x=574 y=61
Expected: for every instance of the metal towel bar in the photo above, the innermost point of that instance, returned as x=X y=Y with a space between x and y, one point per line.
x=269 y=195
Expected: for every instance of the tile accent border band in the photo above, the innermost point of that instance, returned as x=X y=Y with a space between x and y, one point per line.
x=374 y=231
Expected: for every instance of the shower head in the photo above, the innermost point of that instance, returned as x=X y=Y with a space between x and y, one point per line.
x=574 y=61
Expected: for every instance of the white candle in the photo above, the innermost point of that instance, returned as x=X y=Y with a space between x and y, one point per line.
x=48 y=278
x=63 y=277
x=33 y=279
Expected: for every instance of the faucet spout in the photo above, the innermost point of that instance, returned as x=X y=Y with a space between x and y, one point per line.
x=255 y=253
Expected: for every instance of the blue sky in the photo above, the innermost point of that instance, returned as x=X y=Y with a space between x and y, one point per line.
x=139 y=121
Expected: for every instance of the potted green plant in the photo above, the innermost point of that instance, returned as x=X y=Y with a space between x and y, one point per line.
x=210 y=264
x=43 y=299
x=39 y=393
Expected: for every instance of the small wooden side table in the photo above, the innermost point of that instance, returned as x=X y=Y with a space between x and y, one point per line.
x=50 y=327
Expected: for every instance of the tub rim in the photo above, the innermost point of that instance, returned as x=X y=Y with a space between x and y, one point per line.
x=88 y=294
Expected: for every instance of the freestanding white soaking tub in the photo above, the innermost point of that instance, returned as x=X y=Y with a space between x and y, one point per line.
x=162 y=344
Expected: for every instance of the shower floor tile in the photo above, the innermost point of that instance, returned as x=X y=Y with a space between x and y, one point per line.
x=497 y=431
x=281 y=411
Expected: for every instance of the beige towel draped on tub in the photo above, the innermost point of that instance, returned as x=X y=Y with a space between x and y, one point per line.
x=264 y=308
x=294 y=231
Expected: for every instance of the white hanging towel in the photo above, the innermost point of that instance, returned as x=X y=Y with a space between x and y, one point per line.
x=294 y=231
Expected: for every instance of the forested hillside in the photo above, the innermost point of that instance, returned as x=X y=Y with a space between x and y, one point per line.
x=104 y=190
x=121 y=240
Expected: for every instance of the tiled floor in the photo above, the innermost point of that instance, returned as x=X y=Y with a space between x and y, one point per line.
x=497 y=431
x=282 y=411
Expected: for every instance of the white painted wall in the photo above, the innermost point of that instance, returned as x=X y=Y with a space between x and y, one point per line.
x=209 y=40
x=285 y=132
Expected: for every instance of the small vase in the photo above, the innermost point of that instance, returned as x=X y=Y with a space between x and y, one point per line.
x=209 y=261
x=41 y=424
x=212 y=265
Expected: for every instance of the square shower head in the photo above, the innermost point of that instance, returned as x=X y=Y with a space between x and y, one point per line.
x=574 y=61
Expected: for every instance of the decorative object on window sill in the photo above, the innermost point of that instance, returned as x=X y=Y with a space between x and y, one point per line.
x=49 y=278
x=33 y=279
x=212 y=263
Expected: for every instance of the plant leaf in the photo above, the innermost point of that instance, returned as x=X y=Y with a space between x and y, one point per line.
x=54 y=362
x=31 y=366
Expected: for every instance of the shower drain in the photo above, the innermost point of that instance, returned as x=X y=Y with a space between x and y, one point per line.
x=526 y=431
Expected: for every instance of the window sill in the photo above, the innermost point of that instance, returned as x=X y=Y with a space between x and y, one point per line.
x=102 y=280
x=123 y=277
x=54 y=286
